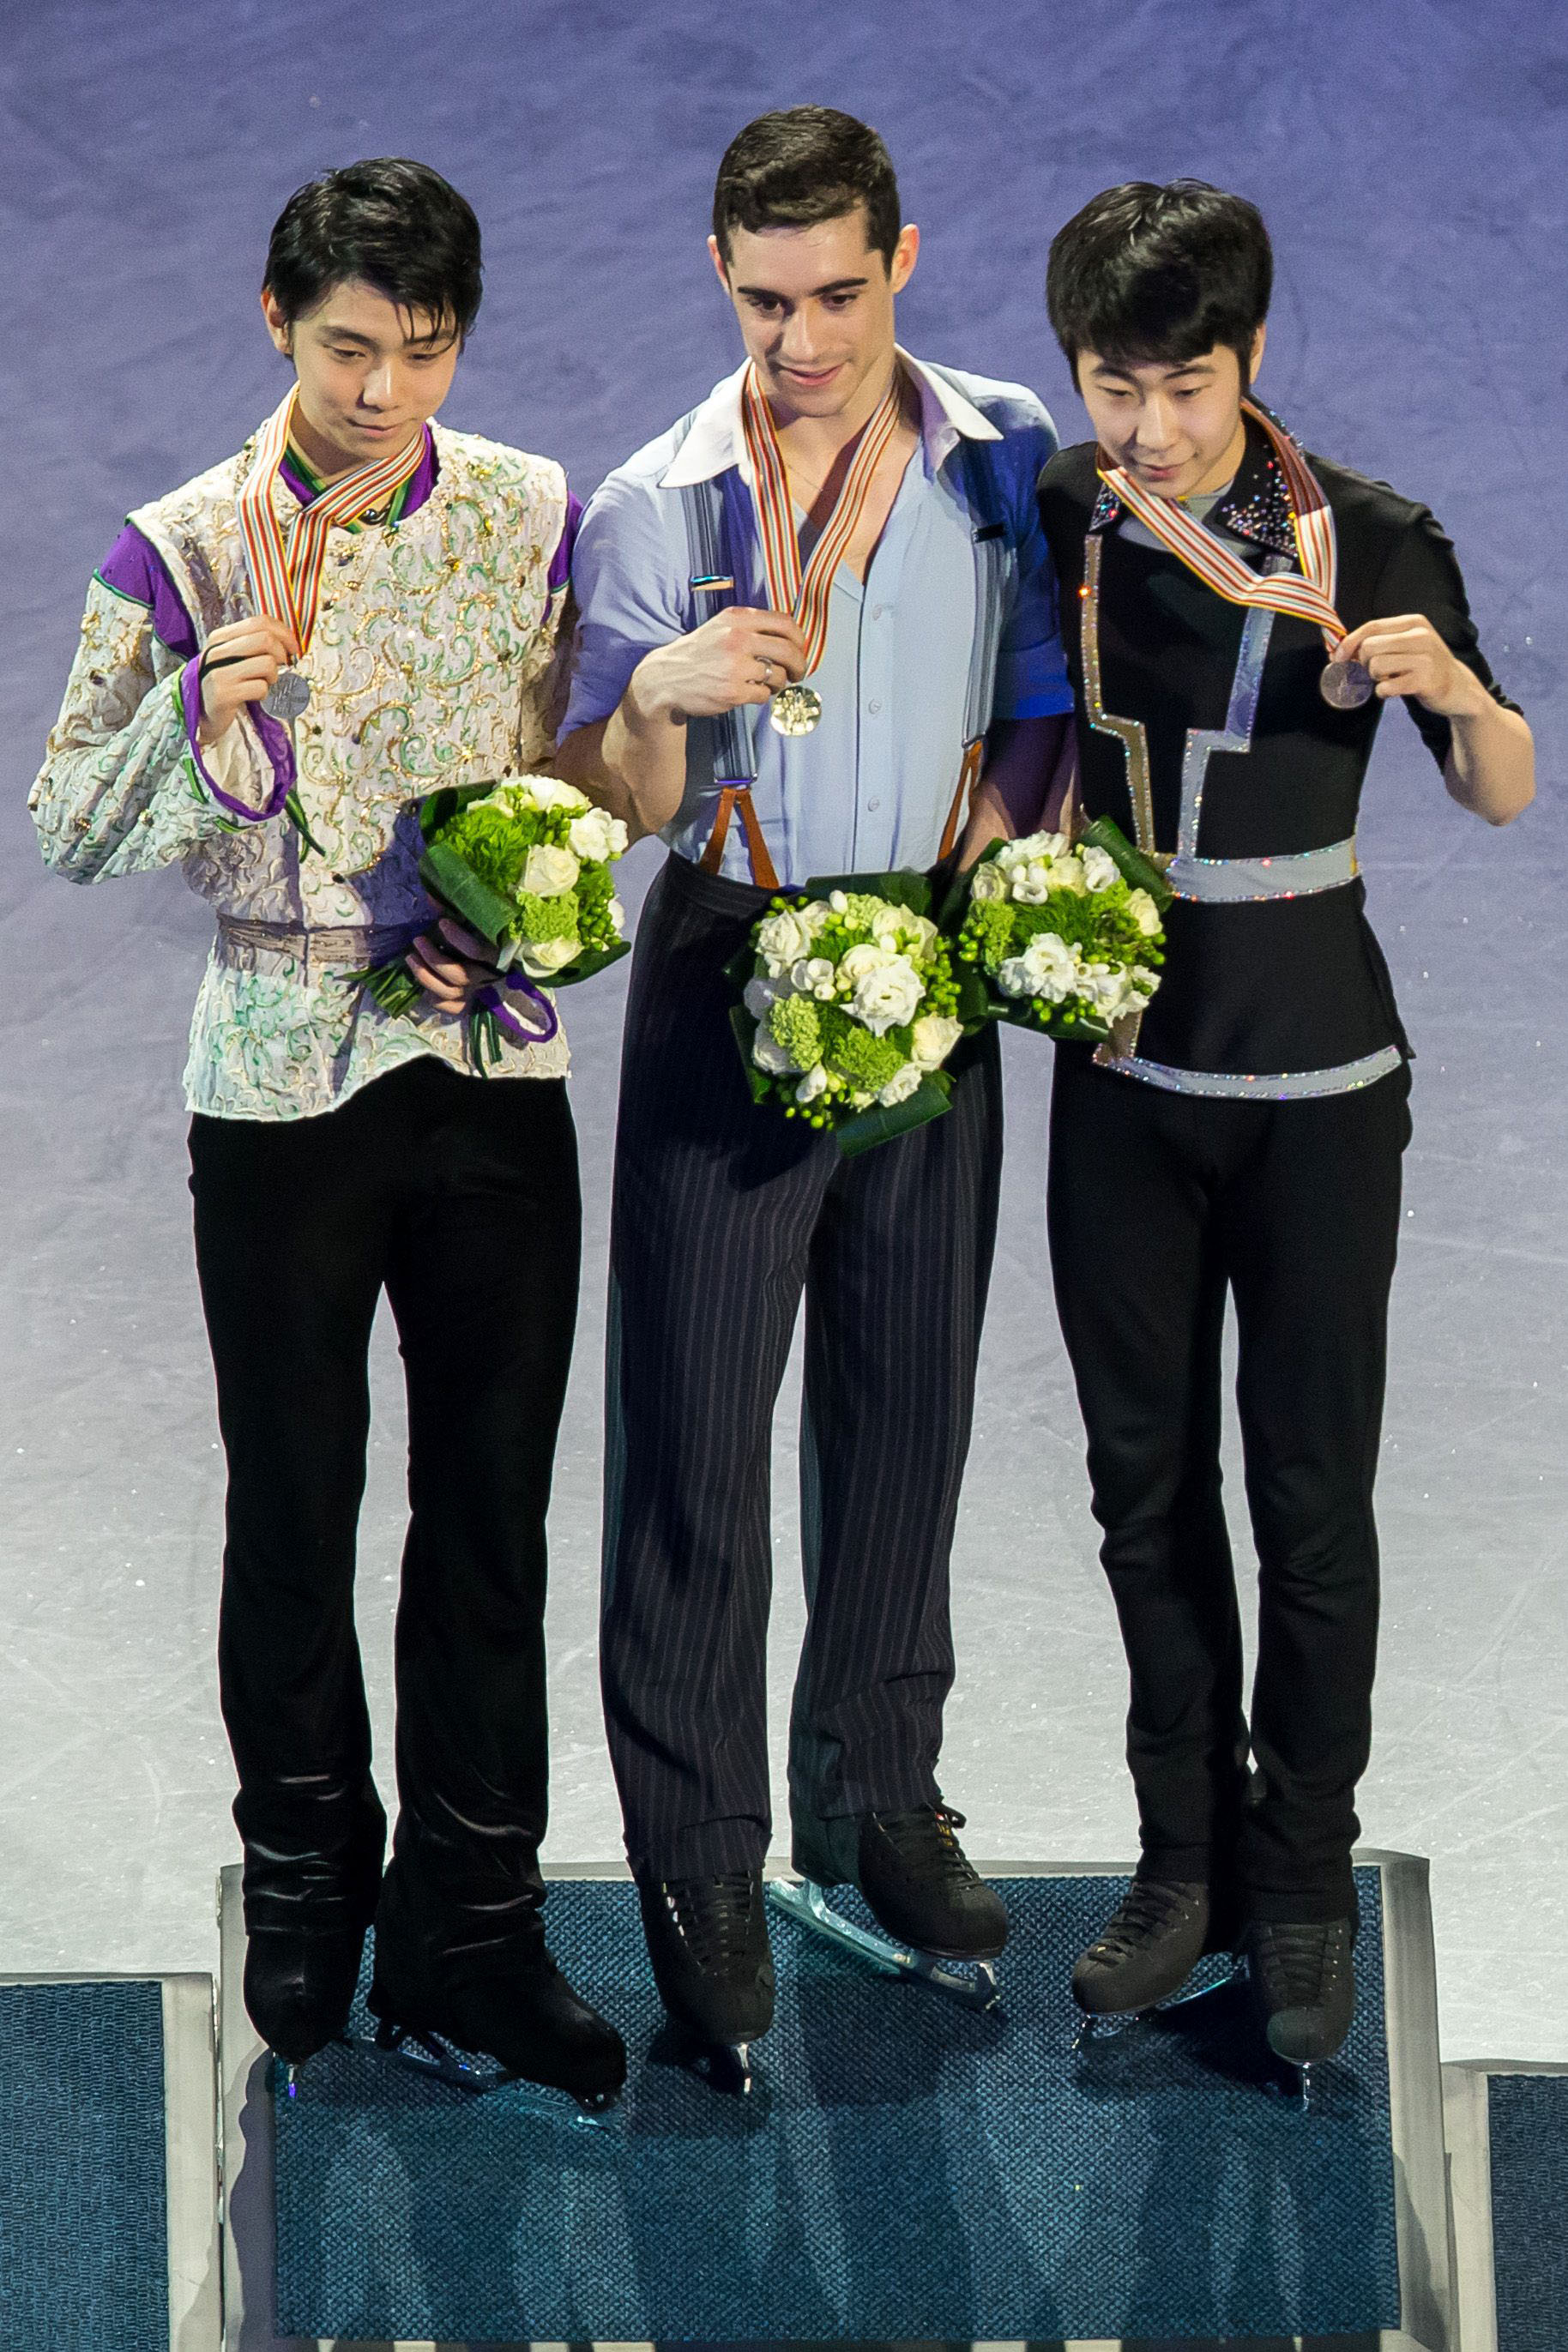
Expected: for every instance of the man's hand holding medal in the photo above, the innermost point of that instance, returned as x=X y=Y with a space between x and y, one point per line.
x=741 y=655
x=1403 y=654
x=240 y=664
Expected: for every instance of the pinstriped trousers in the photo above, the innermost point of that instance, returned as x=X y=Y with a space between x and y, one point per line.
x=724 y=1214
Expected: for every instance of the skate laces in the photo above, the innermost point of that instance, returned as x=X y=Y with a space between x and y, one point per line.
x=1149 y=1909
x=714 y=1917
x=1300 y=1964
x=927 y=1841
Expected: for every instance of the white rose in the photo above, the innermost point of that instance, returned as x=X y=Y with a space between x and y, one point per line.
x=1067 y=874
x=1031 y=884
x=782 y=940
x=1047 y=967
x=759 y=995
x=990 y=882
x=592 y=836
x=539 y=958
x=1100 y=870
x=858 y=963
x=887 y=998
x=550 y=872
x=933 y=1039
x=815 y=1083
x=548 y=793
x=1030 y=846
x=814 y=976
x=1144 y=911
x=900 y=1086
x=769 y=1055
x=618 y=916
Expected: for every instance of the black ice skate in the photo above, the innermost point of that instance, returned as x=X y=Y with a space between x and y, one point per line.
x=941 y=1921
x=708 y=1941
x=305 y=1922
x=477 y=2020
x=1302 y=1982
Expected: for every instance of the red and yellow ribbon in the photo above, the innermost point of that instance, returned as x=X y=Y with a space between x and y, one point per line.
x=791 y=590
x=1310 y=597
x=285 y=572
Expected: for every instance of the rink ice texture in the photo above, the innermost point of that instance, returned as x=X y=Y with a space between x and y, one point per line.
x=1411 y=161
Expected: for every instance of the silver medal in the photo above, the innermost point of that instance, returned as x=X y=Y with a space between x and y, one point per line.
x=287 y=696
x=795 y=711
x=1346 y=684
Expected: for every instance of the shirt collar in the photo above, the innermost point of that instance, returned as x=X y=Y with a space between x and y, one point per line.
x=1255 y=508
x=717 y=439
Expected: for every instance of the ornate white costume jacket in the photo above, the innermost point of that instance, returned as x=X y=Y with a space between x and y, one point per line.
x=438 y=658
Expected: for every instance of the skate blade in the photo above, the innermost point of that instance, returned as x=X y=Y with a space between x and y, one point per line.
x=440 y=2060
x=725 y=2066
x=1106 y=2024
x=282 y=2076
x=971 y=1982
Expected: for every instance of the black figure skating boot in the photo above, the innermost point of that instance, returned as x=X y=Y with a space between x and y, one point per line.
x=305 y=1920
x=1303 y=1980
x=940 y=1921
x=498 y=2010
x=1146 y=1951
x=708 y=1941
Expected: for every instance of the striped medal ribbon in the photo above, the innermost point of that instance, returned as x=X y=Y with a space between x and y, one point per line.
x=286 y=575
x=796 y=710
x=1310 y=597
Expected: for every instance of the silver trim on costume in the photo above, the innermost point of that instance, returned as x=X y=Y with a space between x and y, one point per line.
x=1283 y=1086
x=1236 y=735
x=1222 y=881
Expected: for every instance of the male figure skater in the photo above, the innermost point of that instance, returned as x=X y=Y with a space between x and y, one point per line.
x=1248 y=1137
x=239 y=660
x=940 y=650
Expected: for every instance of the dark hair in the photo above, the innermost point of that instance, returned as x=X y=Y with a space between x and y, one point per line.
x=1145 y=274
x=398 y=225
x=804 y=165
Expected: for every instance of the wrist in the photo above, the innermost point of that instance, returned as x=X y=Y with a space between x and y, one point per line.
x=1466 y=701
x=649 y=701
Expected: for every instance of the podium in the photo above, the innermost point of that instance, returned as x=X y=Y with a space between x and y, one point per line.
x=904 y=2171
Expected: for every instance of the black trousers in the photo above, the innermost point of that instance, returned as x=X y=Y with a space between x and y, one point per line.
x=459 y=1197
x=1158 y=1206
x=724 y=1214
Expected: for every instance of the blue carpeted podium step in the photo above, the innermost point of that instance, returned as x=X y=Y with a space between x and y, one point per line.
x=106 y=2244
x=903 y=2170
x=1527 y=2120
x=1507 y=2124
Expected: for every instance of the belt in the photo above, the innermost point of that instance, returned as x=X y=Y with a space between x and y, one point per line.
x=1221 y=881
x=343 y=949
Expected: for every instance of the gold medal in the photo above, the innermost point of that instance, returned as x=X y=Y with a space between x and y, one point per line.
x=795 y=711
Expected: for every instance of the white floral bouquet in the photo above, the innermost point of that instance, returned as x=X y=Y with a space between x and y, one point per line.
x=525 y=865
x=850 y=1005
x=1067 y=935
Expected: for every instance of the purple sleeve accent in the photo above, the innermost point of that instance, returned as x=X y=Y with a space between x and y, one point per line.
x=560 y=562
x=275 y=741
x=422 y=481
x=134 y=568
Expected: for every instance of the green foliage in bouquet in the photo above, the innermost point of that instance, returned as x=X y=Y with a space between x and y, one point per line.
x=1067 y=935
x=850 y=1003
x=526 y=866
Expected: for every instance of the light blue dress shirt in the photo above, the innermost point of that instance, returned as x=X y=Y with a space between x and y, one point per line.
x=871 y=787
